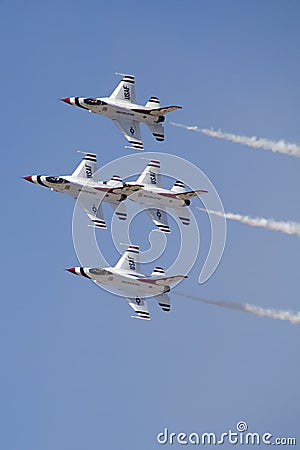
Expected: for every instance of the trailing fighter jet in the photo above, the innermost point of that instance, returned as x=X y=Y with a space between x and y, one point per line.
x=82 y=185
x=126 y=277
x=121 y=107
x=150 y=194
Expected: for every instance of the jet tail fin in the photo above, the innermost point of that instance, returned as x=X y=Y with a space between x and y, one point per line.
x=87 y=167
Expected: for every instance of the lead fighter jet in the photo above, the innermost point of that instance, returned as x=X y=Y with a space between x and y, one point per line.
x=121 y=107
x=90 y=193
x=126 y=277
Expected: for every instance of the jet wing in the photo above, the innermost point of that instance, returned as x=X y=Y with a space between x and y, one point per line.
x=140 y=307
x=131 y=130
x=93 y=210
x=160 y=218
x=125 y=90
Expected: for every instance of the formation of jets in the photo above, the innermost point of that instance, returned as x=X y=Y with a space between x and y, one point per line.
x=147 y=190
x=125 y=113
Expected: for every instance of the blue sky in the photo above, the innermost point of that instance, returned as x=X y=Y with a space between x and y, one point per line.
x=76 y=370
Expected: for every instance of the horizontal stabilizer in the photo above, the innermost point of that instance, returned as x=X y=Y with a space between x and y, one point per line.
x=158 y=131
x=166 y=281
x=178 y=187
x=188 y=195
x=120 y=209
x=164 y=302
x=158 y=272
x=163 y=111
x=114 y=181
x=153 y=102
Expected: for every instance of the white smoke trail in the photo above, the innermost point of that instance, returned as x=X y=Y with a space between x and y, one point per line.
x=270 y=224
x=277 y=314
x=275 y=146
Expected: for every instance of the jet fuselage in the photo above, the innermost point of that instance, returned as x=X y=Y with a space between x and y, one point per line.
x=67 y=185
x=127 y=283
x=157 y=197
x=116 y=109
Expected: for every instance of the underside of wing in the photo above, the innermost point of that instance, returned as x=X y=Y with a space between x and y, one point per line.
x=140 y=307
x=93 y=210
x=160 y=218
x=158 y=131
x=131 y=131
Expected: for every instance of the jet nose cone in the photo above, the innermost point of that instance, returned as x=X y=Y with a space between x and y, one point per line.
x=66 y=100
x=29 y=178
x=71 y=269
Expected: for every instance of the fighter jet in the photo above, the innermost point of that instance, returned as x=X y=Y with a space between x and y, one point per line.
x=121 y=107
x=150 y=194
x=127 y=279
x=92 y=192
